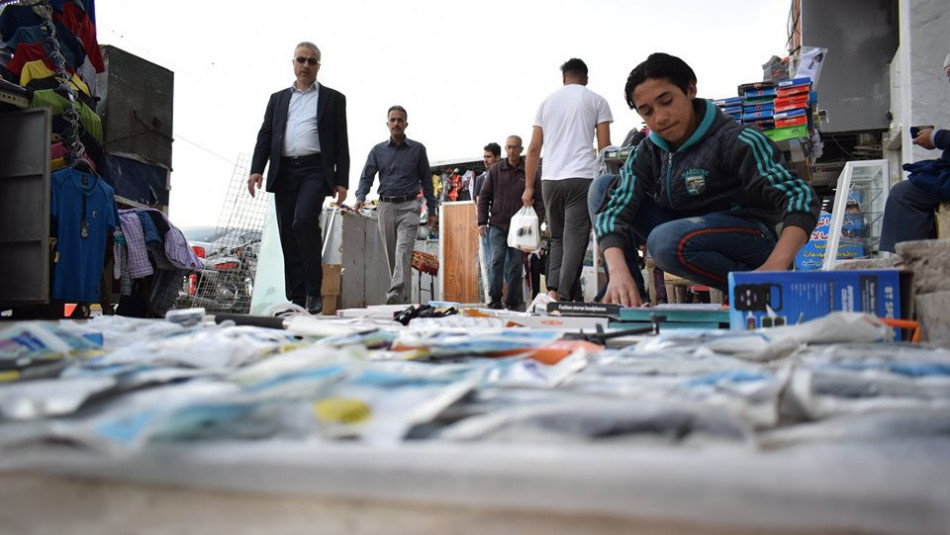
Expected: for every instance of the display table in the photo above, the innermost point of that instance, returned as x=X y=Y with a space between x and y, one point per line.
x=271 y=487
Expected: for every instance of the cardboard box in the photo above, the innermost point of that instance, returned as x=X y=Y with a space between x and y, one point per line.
x=331 y=279
x=330 y=290
x=775 y=298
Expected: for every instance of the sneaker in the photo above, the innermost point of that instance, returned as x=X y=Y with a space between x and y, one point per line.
x=495 y=305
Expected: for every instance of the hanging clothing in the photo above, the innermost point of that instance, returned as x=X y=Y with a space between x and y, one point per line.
x=138 y=265
x=176 y=247
x=88 y=118
x=70 y=47
x=78 y=22
x=84 y=214
x=15 y=16
x=26 y=52
x=80 y=90
x=150 y=230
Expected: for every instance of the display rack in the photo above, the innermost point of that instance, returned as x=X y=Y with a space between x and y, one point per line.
x=858 y=210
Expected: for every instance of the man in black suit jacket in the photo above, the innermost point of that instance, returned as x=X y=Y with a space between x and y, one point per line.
x=304 y=138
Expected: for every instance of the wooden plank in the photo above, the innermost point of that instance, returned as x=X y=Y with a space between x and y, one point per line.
x=458 y=269
x=943 y=220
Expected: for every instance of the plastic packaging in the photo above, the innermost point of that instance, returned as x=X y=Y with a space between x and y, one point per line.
x=524 y=232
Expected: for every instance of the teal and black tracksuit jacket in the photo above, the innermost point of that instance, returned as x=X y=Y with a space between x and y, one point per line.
x=730 y=170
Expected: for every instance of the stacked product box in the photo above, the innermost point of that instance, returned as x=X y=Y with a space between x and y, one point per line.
x=780 y=109
x=758 y=104
x=731 y=106
x=790 y=108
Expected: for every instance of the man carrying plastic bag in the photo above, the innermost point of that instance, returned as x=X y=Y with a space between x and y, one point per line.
x=499 y=202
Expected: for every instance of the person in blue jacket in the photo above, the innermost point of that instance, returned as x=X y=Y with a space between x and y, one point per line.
x=704 y=193
x=909 y=211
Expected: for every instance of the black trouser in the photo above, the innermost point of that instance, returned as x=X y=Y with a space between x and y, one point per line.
x=298 y=197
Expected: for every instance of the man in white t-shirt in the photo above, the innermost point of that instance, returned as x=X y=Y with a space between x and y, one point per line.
x=566 y=123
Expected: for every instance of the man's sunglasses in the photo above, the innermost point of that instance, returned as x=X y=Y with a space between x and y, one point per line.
x=301 y=60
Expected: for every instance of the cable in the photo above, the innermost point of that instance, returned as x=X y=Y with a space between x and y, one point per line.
x=848 y=154
x=209 y=151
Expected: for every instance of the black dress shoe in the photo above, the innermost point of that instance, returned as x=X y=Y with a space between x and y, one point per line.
x=314 y=304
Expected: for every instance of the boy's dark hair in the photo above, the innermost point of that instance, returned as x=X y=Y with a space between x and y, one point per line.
x=494 y=148
x=659 y=66
x=574 y=66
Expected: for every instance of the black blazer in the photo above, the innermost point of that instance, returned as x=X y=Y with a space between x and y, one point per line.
x=331 y=127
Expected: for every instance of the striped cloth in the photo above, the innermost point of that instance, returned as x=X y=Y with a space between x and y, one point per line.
x=138 y=266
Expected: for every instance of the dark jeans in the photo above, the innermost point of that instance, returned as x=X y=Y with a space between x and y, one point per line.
x=566 y=204
x=299 y=198
x=908 y=215
x=506 y=262
x=703 y=249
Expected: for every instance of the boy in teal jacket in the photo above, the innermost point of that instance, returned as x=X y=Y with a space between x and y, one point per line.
x=704 y=192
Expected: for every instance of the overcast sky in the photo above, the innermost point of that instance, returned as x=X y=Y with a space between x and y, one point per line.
x=467 y=72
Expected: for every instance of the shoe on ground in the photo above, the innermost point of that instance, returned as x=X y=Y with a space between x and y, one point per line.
x=495 y=305
x=394 y=299
x=314 y=305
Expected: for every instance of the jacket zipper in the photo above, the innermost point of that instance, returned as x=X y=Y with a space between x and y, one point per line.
x=669 y=173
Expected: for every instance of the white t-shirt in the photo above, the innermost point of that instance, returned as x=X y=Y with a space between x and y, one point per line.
x=568 y=119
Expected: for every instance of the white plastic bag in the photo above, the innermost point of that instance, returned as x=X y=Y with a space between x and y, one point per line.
x=524 y=233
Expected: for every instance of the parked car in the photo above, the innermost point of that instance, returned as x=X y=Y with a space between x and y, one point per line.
x=230 y=262
x=207 y=241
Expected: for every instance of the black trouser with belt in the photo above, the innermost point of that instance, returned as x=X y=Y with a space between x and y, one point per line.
x=301 y=189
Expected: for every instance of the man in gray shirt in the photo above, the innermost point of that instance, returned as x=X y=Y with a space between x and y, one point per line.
x=403 y=169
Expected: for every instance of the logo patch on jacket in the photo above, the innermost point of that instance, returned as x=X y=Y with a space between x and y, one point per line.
x=695 y=180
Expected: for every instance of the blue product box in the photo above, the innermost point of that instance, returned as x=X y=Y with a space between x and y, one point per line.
x=790 y=113
x=767 y=106
x=752 y=115
x=754 y=93
x=776 y=298
x=793 y=82
x=728 y=101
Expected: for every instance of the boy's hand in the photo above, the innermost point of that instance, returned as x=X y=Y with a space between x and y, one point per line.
x=621 y=290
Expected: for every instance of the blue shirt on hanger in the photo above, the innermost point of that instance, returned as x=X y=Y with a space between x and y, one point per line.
x=84 y=213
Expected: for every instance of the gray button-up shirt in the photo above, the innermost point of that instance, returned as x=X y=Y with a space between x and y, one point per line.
x=402 y=170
